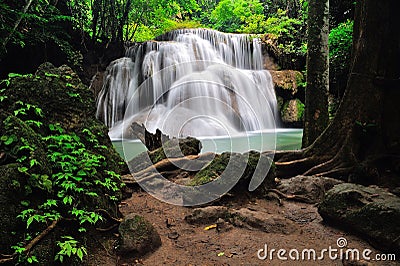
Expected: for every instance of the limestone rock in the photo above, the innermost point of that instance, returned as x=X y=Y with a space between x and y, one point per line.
x=372 y=212
x=263 y=221
x=287 y=80
x=254 y=220
x=312 y=187
x=292 y=111
x=208 y=215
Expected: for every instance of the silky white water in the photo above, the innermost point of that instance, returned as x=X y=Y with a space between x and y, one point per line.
x=191 y=82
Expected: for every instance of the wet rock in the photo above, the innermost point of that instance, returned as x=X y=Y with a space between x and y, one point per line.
x=137 y=236
x=207 y=215
x=372 y=212
x=312 y=187
x=263 y=221
x=287 y=80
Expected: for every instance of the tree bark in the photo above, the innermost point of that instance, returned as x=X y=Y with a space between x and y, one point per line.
x=362 y=143
x=316 y=101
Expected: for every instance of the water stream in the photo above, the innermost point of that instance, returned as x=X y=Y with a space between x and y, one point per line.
x=193 y=82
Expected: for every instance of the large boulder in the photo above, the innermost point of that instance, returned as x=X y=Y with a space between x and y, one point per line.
x=371 y=212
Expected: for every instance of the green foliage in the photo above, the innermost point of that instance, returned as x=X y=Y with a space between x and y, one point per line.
x=145 y=33
x=71 y=188
x=70 y=247
x=340 y=43
x=288 y=32
x=294 y=8
x=31 y=22
x=300 y=110
x=233 y=15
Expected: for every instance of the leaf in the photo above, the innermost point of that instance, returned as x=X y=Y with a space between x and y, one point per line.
x=22 y=169
x=33 y=162
x=79 y=253
x=29 y=221
x=25 y=203
x=210 y=227
x=221 y=254
x=14 y=75
x=8 y=139
x=81 y=173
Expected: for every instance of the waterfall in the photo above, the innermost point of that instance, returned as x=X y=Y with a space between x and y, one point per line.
x=195 y=82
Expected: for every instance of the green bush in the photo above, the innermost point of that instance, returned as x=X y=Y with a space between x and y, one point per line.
x=340 y=43
x=233 y=15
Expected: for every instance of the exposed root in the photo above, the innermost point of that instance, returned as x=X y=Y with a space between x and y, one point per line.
x=109 y=216
x=288 y=155
x=293 y=162
x=315 y=170
x=322 y=158
x=337 y=172
x=296 y=167
x=290 y=197
x=108 y=228
x=166 y=164
x=41 y=236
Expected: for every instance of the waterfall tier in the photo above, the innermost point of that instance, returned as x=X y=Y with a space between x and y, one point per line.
x=193 y=82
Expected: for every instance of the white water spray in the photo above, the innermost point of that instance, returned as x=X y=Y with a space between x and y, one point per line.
x=193 y=82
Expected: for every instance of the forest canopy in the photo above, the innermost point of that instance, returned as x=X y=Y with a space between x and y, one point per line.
x=139 y=20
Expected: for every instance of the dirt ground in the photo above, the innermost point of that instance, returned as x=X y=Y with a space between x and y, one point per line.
x=187 y=244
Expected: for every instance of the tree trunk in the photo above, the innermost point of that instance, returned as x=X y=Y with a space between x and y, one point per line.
x=362 y=143
x=316 y=104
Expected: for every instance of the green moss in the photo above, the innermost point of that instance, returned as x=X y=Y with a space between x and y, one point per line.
x=237 y=162
x=300 y=110
x=67 y=166
x=212 y=171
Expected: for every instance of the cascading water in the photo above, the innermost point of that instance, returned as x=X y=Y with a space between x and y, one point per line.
x=193 y=82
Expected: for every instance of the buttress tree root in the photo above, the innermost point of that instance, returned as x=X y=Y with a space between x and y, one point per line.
x=362 y=143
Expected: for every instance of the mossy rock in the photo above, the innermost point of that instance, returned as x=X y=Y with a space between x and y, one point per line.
x=371 y=212
x=32 y=106
x=292 y=112
x=245 y=164
x=63 y=99
x=173 y=148
x=287 y=80
x=137 y=236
